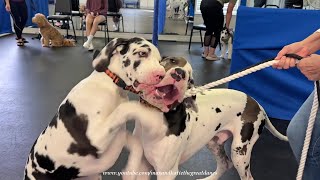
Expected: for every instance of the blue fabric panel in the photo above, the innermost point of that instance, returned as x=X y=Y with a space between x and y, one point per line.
x=161 y=16
x=191 y=9
x=260 y=34
x=36 y=6
x=5 y=22
x=243 y=2
x=155 y=23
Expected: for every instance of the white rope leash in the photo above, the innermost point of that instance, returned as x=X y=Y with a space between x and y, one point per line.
x=194 y=91
x=307 y=139
x=312 y=117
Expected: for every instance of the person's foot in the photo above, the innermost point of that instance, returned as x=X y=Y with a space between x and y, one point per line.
x=20 y=42
x=204 y=54
x=212 y=57
x=91 y=48
x=86 y=45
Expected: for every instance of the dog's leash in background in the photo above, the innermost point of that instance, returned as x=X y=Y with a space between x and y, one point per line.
x=257 y=67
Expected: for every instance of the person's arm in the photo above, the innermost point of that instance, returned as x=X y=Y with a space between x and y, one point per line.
x=313 y=42
x=229 y=13
x=8 y=6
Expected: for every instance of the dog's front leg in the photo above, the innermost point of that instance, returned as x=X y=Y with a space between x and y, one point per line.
x=230 y=49
x=45 y=42
x=223 y=50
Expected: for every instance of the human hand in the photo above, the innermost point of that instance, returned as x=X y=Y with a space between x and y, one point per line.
x=286 y=62
x=310 y=67
x=8 y=8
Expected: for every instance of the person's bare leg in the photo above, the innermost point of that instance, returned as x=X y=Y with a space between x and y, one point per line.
x=97 y=20
x=89 y=21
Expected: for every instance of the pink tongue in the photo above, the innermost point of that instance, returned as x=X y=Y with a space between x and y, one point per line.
x=165 y=89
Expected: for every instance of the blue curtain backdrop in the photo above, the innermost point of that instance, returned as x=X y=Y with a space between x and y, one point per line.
x=36 y=6
x=5 y=23
x=260 y=34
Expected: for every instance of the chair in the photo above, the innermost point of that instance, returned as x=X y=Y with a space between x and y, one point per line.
x=105 y=29
x=199 y=27
x=189 y=20
x=63 y=12
x=118 y=15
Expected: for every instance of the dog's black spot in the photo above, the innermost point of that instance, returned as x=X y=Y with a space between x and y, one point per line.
x=239 y=114
x=218 y=110
x=45 y=147
x=247 y=167
x=130 y=78
x=188 y=117
x=53 y=122
x=188 y=138
x=263 y=122
x=44 y=131
x=26 y=177
x=218 y=127
x=176 y=77
x=196 y=118
x=127 y=62
x=98 y=112
x=61 y=173
x=136 y=64
x=176 y=120
x=246 y=132
x=181 y=72
x=134 y=50
x=145 y=45
x=96 y=53
x=203 y=125
x=251 y=111
x=241 y=150
x=44 y=162
x=77 y=125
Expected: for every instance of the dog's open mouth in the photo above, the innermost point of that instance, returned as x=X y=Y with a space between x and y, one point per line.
x=167 y=92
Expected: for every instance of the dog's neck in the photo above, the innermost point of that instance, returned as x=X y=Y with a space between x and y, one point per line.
x=119 y=82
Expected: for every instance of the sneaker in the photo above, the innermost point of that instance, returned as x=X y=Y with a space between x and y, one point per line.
x=116 y=28
x=212 y=57
x=90 y=48
x=86 y=45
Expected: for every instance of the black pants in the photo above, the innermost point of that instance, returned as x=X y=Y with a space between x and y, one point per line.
x=212 y=14
x=19 y=15
x=259 y=3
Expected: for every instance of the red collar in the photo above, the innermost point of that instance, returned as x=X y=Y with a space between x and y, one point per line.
x=118 y=81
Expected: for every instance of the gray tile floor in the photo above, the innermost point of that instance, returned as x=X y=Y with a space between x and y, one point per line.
x=34 y=80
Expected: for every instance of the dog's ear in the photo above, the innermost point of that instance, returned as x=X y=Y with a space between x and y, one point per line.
x=96 y=53
x=102 y=60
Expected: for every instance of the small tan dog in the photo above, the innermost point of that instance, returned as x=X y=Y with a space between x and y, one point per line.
x=50 y=35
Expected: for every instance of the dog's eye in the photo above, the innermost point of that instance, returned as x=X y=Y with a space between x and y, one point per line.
x=172 y=61
x=143 y=54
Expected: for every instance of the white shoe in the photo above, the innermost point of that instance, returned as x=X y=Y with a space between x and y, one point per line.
x=86 y=45
x=90 y=48
x=116 y=28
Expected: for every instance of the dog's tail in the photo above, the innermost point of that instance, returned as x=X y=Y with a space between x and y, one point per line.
x=274 y=131
x=68 y=42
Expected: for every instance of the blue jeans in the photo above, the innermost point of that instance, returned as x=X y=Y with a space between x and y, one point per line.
x=296 y=133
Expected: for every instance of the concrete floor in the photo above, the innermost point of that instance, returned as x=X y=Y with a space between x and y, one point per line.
x=34 y=80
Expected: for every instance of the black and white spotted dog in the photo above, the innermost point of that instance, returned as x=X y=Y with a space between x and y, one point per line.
x=210 y=118
x=172 y=5
x=77 y=143
x=226 y=39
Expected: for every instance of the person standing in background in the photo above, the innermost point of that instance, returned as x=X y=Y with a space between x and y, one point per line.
x=212 y=14
x=19 y=13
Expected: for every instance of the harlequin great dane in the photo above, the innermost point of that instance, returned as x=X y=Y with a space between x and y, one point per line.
x=77 y=143
x=171 y=138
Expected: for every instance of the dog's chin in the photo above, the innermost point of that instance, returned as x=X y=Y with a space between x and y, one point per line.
x=165 y=97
